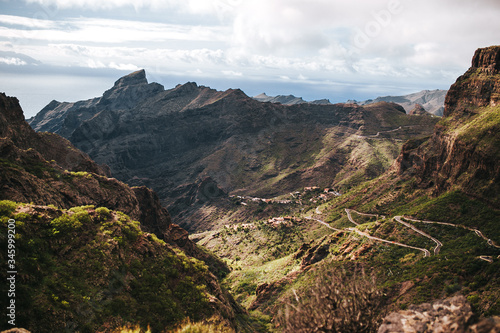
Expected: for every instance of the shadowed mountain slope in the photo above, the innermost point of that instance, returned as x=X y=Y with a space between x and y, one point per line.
x=171 y=140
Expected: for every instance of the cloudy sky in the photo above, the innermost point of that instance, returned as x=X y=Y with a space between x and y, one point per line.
x=70 y=50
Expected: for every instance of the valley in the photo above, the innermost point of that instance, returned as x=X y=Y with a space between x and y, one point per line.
x=252 y=216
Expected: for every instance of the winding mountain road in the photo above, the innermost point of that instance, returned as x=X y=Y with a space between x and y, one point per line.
x=323 y=223
x=408 y=225
x=361 y=233
x=478 y=232
x=349 y=216
x=412 y=227
x=378 y=133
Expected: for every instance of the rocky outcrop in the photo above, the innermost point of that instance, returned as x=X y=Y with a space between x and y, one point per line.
x=128 y=92
x=464 y=148
x=488 y=59
x=448 y=315
x=478 y=87
x=418 y=110
x=64 y=117
x=14 y=131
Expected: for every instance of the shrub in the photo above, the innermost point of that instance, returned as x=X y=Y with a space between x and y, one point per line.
x=82 y=218
x=339 y=302
x=103 y=213
x=190 y=327
x=64 y=223
x=7 y=207
x=81 y=208
x=132 y=329
x=81 y=174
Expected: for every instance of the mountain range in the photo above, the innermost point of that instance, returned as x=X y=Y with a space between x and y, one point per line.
x=431 y=101
x=303 y=217
x=287 y=100
x=81 y=218
x=192 y=143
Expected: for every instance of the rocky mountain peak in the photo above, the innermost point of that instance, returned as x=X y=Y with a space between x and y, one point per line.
x=187 y=87
x=129 y=91
x=10 y=108
x=135 y=78
x=463 y=151
x=487 y=58
x=478 y=87
x=12 y=124
x=418 y=110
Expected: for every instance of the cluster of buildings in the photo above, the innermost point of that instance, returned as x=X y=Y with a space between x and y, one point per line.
x=327 y=194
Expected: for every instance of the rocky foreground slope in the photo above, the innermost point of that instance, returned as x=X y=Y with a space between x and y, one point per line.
x=174 y=140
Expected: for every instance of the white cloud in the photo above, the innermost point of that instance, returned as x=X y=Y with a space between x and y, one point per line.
x=317 y=42
x=221 y=8
x=107 y=31
x=12 y=61
x=232 y=73
x=26 y=22
x=123 y=67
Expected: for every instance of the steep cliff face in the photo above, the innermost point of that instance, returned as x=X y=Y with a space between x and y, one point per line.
x=478 y=87
x=464 y=148
x=14 y=131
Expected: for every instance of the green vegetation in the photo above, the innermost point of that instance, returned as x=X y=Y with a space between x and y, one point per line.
x=202 y=327
x=7 y=207
x=263 y=255
x=82 y=174
x=93 y=269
